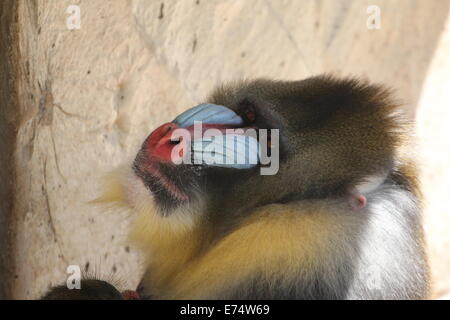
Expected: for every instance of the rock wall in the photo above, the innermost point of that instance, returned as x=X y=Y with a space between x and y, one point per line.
x=88 y=97
x=9 y=57
x=433 y=118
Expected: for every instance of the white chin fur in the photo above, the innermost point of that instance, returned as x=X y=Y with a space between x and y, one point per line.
x=140 y=199
x=136 y=194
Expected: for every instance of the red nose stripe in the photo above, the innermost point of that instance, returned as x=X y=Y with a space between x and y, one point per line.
x=159 y=142
x=160 y=145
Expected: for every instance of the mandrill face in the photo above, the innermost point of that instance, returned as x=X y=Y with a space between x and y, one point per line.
x=204 y=150
x=262 y=142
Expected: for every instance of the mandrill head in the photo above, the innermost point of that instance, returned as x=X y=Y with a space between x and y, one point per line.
x=261 y=142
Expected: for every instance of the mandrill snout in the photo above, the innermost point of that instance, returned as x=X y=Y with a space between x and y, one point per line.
x=206 y=134
x=160 y=143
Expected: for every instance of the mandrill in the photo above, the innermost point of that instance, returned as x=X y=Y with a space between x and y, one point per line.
x=331 y=210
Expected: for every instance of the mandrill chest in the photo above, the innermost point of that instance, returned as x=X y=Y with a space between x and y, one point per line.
x=276 y=242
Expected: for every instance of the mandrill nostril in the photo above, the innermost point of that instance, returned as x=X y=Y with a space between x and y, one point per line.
x=175 y=141
x=162 y=133
x=166 y=128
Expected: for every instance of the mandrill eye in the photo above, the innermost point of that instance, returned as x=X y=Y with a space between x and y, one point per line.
x=249 y=116
x=247 y=111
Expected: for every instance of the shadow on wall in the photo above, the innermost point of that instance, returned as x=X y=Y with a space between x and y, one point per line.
x=8 y=117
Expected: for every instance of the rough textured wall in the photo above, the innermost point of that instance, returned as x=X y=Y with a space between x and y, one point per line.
x=433 y=118
x=8 y=127
x=88 y=97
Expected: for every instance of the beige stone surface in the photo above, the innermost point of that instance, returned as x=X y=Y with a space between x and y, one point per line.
x=90 y=96
x=433 y=119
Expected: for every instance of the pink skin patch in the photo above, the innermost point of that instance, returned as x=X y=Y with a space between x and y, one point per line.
x=356 y=199
x=159 y=144
x=131 y=295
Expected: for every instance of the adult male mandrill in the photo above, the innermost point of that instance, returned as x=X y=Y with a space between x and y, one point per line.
x=340 y=218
